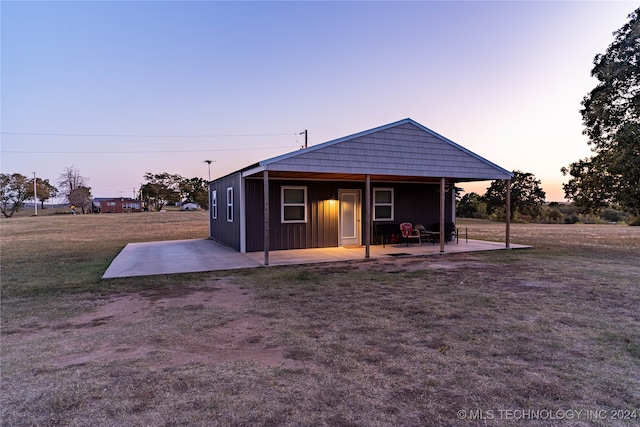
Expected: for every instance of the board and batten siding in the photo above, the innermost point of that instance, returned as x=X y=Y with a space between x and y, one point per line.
x=220 y=229
x=415 y=203
x=320 y=230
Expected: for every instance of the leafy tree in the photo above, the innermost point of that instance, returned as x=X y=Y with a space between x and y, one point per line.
x=527 y=197
x=81 y=197
x=13 y=193
x=611 y=116
x=44 y=190
x=471 y=206
x=590 y=189
x=161 y=189
x=195 y=190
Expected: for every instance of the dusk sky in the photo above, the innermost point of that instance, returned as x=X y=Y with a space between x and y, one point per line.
x=117 y=89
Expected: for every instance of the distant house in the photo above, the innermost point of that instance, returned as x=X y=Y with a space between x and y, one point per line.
x=189 y=206
x=117 y=205
x=343 y=192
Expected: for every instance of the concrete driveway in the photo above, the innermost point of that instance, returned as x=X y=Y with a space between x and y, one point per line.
x=191 y=256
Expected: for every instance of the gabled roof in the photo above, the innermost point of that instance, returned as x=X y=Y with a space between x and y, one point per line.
x=400 y=149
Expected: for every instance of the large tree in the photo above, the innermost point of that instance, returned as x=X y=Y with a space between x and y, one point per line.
x=161 y=189
x=13 y=193
x=611 y=116
x=81 y=197
x=195 y=190
x=44 y=190
x=527 y=197
x=471 y=205
x=73 y=185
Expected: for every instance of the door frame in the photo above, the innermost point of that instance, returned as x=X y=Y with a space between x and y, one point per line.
x=357 y=239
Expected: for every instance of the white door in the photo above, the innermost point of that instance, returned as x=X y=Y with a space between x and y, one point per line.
x=349 y=226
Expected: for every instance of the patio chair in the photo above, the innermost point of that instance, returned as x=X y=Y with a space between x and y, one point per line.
x=427 y=236
x=409 y=233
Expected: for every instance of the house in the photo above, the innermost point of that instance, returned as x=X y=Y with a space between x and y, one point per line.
x=117 y=205
x=343 y=192
x=189 y=206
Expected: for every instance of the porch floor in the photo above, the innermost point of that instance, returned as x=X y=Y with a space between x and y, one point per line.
x=199 y=255
x=308 y=256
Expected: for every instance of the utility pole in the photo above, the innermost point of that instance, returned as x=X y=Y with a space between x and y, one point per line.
x=35 y=195
x=208 y=162
x=306 y=137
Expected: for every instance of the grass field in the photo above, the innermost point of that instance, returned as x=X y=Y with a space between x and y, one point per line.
x=542 y=337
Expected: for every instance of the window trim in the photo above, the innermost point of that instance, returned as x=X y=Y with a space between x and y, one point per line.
x=283 y=204
x=392 y=204
x=214 y=204
x=229 y=204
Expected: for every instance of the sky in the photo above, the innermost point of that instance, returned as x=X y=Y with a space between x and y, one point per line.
x=117 y=89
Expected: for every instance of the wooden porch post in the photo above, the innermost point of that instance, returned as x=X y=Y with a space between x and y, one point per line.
x=265 y=179
x=367 y=217
x=442 y=200
x=508 y=213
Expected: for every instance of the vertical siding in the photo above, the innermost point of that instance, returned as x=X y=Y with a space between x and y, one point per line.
x=420 y=204
x=220 y=229
x=320 y=230
x=415 y=203
x=254 y=215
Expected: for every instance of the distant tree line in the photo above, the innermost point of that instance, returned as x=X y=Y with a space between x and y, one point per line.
x=16 y=189
x=160 y=190
x=528 y=205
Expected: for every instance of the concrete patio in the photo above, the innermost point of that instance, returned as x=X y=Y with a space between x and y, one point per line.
x=200 y=255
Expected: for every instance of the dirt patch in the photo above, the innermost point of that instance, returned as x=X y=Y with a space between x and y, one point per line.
x=122 y=324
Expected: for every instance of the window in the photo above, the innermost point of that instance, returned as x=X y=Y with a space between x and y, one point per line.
x=383 y=204
x=230 y=204
x=111 y=203
x=130 y=205
x=294 y=204
x=214 y=204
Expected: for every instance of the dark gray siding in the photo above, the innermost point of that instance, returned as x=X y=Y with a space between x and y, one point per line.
x=220 y=229
x=320 y=230
x=415 y=203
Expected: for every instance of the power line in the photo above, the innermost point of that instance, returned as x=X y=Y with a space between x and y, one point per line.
x=141 y=151
x=144 y=136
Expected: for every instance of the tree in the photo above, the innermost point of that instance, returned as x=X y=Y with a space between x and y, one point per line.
x=44 y=190
x=527 y=197
x=195 y=190
x=81 y=197
x=471 y=206
x=160 y=189
x=70 y=180
x=591 y=188
x=13 y=193
x=611 y=117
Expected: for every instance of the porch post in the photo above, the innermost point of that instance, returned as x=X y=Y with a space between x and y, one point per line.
x=265 y=180
x=508 y=213
x=442 y=200
x=367 y=217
